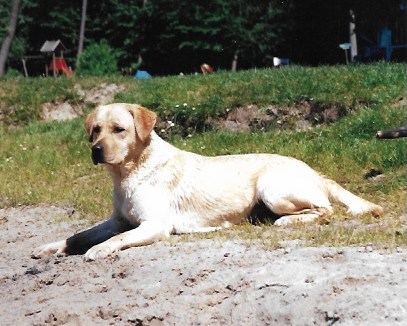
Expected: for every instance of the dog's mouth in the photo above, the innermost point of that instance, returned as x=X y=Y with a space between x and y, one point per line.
x=100 y=158
x=96 y=161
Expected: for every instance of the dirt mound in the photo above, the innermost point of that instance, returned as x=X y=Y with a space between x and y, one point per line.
x=103 y=94
x=61 y=111
x=205 y=282
x=301 y=116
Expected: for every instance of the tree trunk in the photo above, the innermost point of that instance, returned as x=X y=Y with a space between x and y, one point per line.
x=234 y=61
x=82 y=31
x=5 y=47
x=139 y=57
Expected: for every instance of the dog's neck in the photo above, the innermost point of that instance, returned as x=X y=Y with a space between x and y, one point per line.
x=155 y=151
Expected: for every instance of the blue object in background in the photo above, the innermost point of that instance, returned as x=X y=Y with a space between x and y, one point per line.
x=142 y=74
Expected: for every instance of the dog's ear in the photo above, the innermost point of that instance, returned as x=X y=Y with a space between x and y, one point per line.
x=144 y=121
x=89 y=123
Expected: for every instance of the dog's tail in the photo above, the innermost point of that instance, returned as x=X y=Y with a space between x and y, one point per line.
x=355 y=204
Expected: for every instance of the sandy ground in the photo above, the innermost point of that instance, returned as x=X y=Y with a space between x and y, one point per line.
x=205 y=282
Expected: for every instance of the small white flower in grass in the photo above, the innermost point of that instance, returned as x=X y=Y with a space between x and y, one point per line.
x=193 y=109
x=177 y=106
x=162 y=131
x=185 y=104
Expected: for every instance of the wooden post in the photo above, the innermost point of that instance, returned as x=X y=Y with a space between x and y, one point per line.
x=24 y=67
x=234 y=61
x=53 y=64
x=352 y=37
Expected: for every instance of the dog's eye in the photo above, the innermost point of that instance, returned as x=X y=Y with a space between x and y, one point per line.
x=96 y=130
x=118 y=130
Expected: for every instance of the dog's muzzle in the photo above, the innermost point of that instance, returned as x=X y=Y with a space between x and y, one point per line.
x=97 y=154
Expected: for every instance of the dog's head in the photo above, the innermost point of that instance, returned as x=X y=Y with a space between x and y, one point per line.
x=118 y=130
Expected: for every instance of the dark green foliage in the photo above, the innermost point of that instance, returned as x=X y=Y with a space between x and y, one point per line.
x=166 y=36
x=98 y=59
x=173 y=36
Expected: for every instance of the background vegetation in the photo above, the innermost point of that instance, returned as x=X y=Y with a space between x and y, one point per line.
x=173 y=36
x=49 y=163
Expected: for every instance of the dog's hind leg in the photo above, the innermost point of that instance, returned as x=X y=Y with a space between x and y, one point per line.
x=304 y=216
x=297 y=199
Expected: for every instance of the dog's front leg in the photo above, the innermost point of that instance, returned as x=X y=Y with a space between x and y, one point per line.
x=80 y=242
x=57 y=247
x=146 y=233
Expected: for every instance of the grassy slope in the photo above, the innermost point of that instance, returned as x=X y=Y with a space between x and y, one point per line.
x=49 y=163
x=210 y=95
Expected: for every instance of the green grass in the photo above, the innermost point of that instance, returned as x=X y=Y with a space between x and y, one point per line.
x=210 y=95
x=49 y=163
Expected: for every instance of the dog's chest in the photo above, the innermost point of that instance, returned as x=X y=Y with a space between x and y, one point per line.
x=126 y=201
x=136 y=200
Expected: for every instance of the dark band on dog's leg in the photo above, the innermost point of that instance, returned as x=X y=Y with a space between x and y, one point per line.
x=81 y=242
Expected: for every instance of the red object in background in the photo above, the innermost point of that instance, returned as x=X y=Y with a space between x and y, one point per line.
x=60 y=64
x=206 y=69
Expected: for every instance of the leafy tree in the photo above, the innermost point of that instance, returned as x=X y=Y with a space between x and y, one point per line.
x=52 y=20
x=170 y=36
x=253 y=30
x=224 y=30
x=131 y=18
x=167 y=36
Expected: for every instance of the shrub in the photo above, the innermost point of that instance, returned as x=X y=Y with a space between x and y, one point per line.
x=98 y=59
x=12 y=73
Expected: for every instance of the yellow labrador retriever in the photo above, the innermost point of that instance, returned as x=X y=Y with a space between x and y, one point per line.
x=160 y=189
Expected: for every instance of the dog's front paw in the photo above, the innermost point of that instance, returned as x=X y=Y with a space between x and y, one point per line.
x=99 y=251
x=50 y=249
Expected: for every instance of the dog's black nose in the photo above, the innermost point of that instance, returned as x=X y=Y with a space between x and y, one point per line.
x=97 y=154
